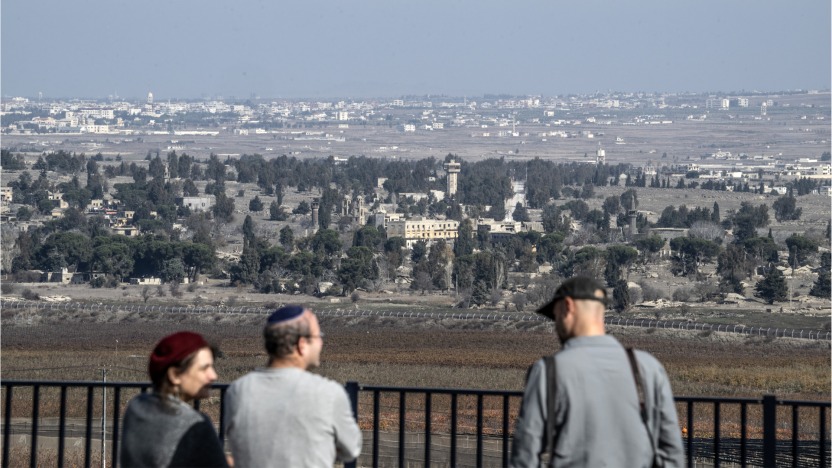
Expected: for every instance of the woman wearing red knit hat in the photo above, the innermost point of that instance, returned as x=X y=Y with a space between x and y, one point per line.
x=162 y=429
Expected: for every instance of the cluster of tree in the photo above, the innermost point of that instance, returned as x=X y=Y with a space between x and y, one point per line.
x=300 y=264
x=682 y=217
x=118 y=257
x=11 y=162
x=785 y=208
x=61 y=161
x=357 y=174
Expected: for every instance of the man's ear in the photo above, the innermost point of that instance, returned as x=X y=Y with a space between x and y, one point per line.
x=301 y=346
x=569 y=304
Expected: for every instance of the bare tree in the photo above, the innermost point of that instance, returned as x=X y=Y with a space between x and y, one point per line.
x=146 y=293
x=496 y=295
x=422 y=281
x=8 y=245
x=519 y=301
x=707 y=230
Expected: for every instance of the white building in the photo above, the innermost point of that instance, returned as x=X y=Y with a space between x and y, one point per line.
x=428 y=230
x=202 y=203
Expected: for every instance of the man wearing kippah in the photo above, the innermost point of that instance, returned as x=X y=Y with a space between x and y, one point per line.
x=283 y=415
x=594 y=403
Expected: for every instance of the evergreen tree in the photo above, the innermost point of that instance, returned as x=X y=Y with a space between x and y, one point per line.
x=629 y=200
x=785 y=208
x=800 y=248
x=520 y=213
x=464 y=244
x=621 y=296
x=479 y=295
x=823 y=287
x=302 y=208
x=255 y=204
x=247 y=270
x=278 y=191
x=189 y=188
x=553 y=220
x=248 y=231
x=773 y=286
x=224 y=208
x=619 y=258
x=715 y=213
x=418 y=252
x=287 y=238
x=276 y=212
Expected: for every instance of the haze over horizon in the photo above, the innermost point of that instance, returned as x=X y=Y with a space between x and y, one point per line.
x=327 y=48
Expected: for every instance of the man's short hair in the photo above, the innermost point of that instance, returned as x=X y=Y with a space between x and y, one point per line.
x=579 y=287
x=283 y=330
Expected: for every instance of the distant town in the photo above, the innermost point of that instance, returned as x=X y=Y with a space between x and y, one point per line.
x=484 y=197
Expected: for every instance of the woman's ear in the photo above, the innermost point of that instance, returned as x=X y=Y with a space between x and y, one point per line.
x=173 y=375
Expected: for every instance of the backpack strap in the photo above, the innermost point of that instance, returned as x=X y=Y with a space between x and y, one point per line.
x=547 y=449
x=631 y=355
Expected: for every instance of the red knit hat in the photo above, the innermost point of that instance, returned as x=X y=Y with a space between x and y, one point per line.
x=171 y=350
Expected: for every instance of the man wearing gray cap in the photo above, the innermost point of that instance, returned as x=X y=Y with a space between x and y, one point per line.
x=283 y=415
x=594 y=403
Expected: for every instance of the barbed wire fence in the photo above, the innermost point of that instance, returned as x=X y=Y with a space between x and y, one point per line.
x=775 y=332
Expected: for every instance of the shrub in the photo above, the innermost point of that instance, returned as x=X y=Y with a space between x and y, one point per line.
x=519 y=301
x=191 y=287
x=652 y=293
x=705 y=290
x=355 y=297
x=682 y=294
x=636 y=295
x=146 y=294
x=98 y=282
x=25 y=276
x=30 y=295
x=7 y=288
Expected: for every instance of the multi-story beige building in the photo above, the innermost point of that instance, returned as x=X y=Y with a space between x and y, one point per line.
x=428 y=230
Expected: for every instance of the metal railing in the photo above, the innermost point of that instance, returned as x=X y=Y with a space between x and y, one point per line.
x=421 y=426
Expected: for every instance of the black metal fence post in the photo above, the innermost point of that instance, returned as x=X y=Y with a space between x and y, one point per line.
x=352 y=393
x=769 y=430
x=7 y=425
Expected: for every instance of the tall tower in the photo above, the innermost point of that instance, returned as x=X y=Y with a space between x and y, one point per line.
x=150 y=98
x=315 y=207
x=600 y=156
x=632 y=230
x=361 y=212
x=453 y=168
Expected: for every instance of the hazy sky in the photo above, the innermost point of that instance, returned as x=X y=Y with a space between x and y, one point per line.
x=389 y=48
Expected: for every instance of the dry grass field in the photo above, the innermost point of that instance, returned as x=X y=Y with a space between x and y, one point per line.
x=410 y=352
